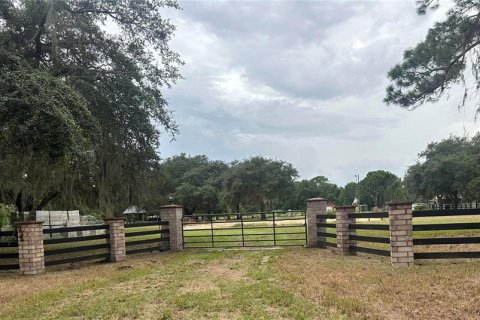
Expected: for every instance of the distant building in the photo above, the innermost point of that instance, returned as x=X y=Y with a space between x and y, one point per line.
x=133 y=209
x=355 y=202
x=330 y=207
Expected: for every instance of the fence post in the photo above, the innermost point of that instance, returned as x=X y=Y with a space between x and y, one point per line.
x=116 y=229
x=344 y=232
x=401 y=233
x=31 y=255
x=316 y=206
x=173 y=214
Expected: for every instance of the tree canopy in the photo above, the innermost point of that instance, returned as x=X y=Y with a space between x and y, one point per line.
x=259 y=183
x=113 y=59
x=319 y=186
x=47 y=131
x=195 y=182
x=448 y=170
x=347 y=194
x=450 y=49
x=379 y=187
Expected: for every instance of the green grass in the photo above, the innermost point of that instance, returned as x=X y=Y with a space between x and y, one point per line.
x=189 y=285
x=262 y=235
x=295 y=283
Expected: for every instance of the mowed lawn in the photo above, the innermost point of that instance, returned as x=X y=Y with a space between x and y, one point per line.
x=295 y=283
x=253 y=234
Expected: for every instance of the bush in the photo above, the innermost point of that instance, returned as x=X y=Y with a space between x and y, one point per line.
x=421 y=206
x=5 y=215
x=85 y=211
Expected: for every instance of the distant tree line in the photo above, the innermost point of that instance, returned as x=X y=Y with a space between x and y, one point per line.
x=447 y=172
x=260 y=184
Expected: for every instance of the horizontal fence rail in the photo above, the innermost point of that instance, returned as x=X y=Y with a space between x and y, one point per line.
x=446 y=226
x=326 y=232
x=378 y=252
x=433 y=241
x=251 y=229
x=8 y=250
x=34 y=245
x=371 y=244
x=449 y=206
x=370 y=227
x=370 y=239
x=69 y=245
x=401 y=233
x=470 y=229
x=144 y=237
x=369 y=215
x=446 y=213
x=447 y=255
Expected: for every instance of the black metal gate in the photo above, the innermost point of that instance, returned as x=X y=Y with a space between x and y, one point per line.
x=253 y=229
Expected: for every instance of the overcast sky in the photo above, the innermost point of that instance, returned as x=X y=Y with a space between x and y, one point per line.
x=304 y=82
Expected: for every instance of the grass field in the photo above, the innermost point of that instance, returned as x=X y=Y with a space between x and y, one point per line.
x=254 y=234
x=293 y=283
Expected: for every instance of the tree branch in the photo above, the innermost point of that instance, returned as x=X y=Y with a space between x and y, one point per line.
x=47 y=199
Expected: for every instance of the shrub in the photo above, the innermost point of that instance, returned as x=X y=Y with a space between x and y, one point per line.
x=5 y=215
x=420 y=206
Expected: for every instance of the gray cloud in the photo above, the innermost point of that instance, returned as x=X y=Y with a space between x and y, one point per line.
x=303 y=82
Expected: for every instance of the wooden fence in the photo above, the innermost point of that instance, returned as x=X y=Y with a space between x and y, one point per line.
x=454 y=238
x=66 y=245
x=8 y=250
x=400 y=233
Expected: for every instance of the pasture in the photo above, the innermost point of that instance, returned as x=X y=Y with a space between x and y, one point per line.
x=287 y=283
x=293 y=283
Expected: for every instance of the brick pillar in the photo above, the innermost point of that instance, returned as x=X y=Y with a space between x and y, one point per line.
x=116 y=229
x=401 y=233
x=30 y=247
x=173 y=214
x=343 y=230
x=315 y=206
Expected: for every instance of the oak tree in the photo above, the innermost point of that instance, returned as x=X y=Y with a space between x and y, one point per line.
x=115 y=56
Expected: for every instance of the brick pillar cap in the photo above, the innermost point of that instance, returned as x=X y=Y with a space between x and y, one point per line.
x=345 y=207
x=316 y=199
x=21 y=223
x=399 y=203
x=170 y=206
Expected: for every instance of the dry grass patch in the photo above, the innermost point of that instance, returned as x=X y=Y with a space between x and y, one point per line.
x=369 y=288
x=265 y=284
x=188 y=285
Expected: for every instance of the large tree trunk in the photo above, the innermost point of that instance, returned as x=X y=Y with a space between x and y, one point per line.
x=262 y=210
x=455 y=200
x=19 y=203
x=47 y=199
x=237 y=208
x=440 y=201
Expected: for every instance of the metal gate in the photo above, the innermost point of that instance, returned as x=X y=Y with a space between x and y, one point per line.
x=253 y=229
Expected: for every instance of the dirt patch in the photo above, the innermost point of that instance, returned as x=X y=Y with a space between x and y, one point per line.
x=207 y=277
x=223 y=272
